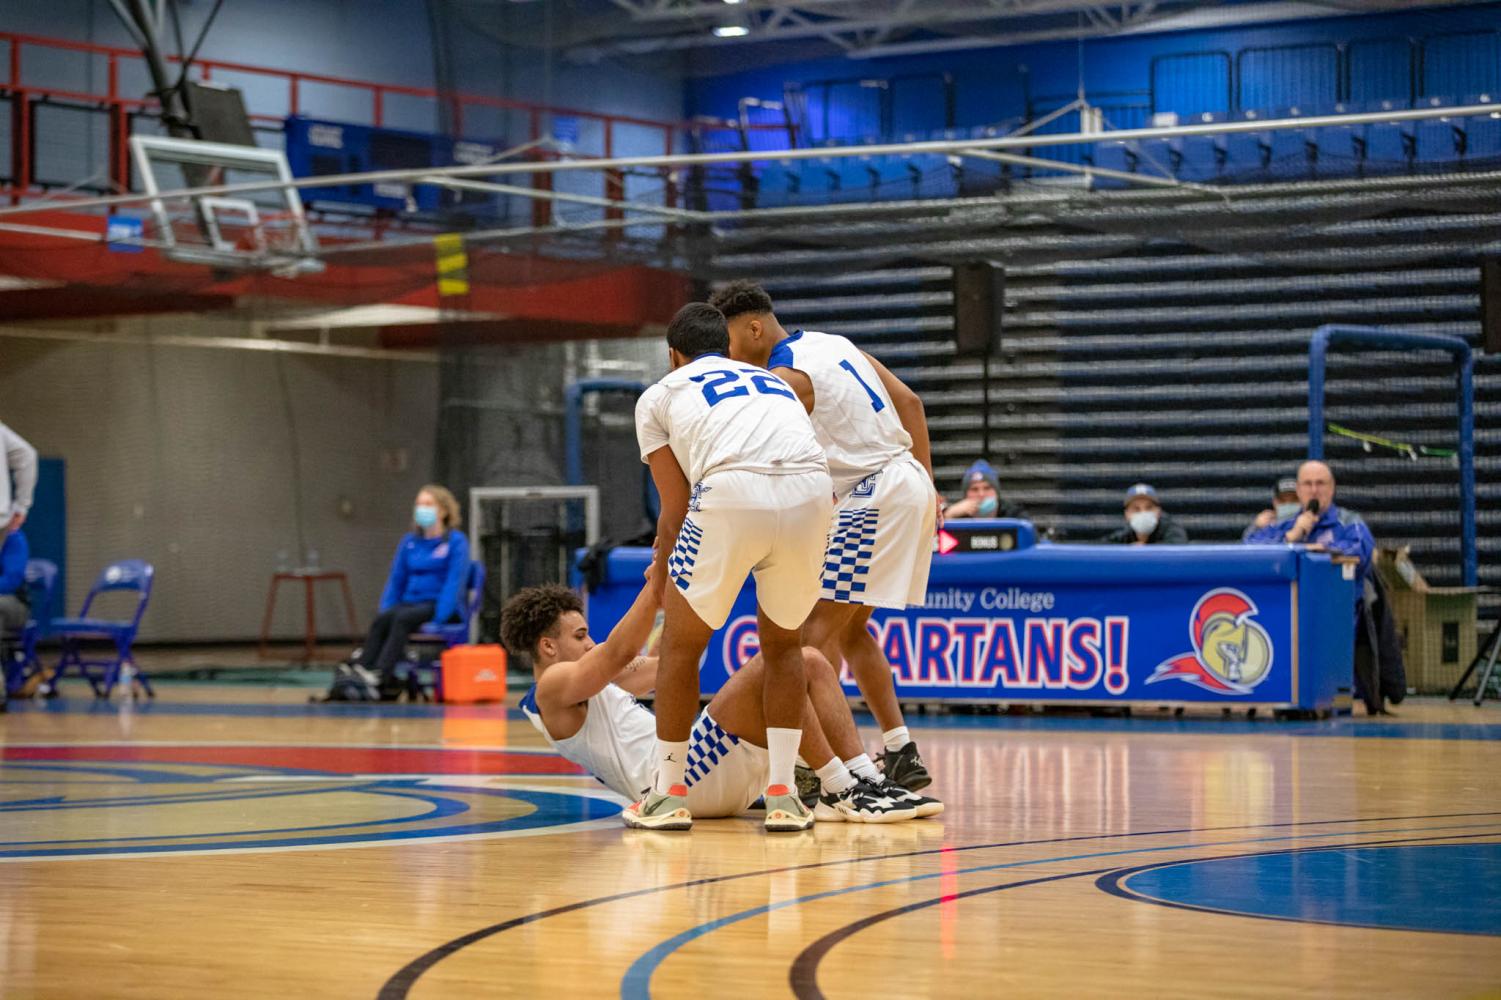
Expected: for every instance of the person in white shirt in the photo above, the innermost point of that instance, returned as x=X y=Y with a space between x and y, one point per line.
x=875 y=433
x=745 y=489
x=20 y=461
x=584 y=704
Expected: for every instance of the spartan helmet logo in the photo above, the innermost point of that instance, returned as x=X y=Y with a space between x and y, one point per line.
x=1232 y=653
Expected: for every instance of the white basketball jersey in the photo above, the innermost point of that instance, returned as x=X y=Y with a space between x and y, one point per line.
x=719 y=415
x=852 y=413
x=616 y=744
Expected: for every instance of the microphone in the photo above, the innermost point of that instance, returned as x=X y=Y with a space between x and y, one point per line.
x=1313 y=506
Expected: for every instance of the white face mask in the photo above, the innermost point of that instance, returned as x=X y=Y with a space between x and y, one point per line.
x=1143 y=522
x=1289 y=510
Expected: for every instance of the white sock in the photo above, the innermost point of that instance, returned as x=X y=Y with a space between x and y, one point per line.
x=801 y=762
x=781 y=747
x=862 y=767
x=672 y=762
x=896 y=738
x=834 y=776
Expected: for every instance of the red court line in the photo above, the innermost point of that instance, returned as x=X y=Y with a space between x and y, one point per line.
x=340 y=760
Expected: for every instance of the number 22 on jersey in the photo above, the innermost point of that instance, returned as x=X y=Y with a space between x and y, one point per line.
x=728 y=382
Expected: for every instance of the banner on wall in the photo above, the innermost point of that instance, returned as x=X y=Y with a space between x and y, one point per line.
x=1184 y=643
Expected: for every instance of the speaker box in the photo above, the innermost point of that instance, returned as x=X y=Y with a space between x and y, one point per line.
x=979 y=303
x=1490 y=303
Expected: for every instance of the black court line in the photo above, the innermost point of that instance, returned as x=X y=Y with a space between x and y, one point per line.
x=803 y=972
x=401 y=982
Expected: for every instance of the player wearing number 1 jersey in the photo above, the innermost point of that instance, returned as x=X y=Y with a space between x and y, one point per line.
x=876 y=436
x=760 y=502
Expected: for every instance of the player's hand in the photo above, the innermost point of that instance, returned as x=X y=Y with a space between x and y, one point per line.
x=1302 y=526
x=1265 y=518
x=16 y=520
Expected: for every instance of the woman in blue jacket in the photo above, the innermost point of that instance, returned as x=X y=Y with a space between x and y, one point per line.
x=427 y=583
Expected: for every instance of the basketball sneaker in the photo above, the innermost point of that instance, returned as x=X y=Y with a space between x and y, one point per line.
x=905 y=767
x=785 y=812
x=660 y=812
x=925 y=805
x=863 y=802
x=807 y=784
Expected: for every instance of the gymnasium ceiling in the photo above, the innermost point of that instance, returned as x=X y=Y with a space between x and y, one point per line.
x=713 y=30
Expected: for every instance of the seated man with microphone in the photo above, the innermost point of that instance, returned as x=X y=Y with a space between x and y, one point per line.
x=1321 y=522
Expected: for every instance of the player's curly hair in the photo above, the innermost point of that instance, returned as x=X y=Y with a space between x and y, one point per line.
x=741 y=297
x=532 y=613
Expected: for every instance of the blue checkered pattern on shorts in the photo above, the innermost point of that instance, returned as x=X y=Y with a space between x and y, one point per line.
x=684 y=554
x=847 y=562
x=707 y=746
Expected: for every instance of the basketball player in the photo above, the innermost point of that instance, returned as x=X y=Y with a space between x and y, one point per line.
x=760 y=503
x=875 y=434
x=583 y=704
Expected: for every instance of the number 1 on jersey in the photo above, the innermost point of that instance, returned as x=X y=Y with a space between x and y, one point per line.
x=876 y=403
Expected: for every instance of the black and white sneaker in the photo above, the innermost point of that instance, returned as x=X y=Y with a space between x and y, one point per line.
x=807 y=784
x=905 y=767
x=862 y=802
x=925 y=805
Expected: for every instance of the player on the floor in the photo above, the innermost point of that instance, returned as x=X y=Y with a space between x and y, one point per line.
x=744 y=489
x=584 y=706
x=875 y=433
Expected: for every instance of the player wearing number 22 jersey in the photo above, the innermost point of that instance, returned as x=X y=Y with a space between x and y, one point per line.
x=875 y=434
x=745 y=488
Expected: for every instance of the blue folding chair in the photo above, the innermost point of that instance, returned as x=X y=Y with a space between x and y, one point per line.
x=20 y=653
x=433 y=638
x=103 y=674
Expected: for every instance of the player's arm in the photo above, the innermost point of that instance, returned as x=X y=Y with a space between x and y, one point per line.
x=567 y=684
x=801 y=384
x=639 y=677
x=673 y=490
x=909 y=410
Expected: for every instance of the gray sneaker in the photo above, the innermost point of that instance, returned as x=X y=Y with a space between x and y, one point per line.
x=660 y=812
x=786 y=813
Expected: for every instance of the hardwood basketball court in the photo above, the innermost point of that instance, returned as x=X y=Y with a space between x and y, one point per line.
x=225 y=843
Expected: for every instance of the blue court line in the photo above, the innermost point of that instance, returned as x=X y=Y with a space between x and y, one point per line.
x=219 y=794
x=402 y=980
x=1143 y=722
x=803 y=972
x=442 y=809
x=550 y=809
x=1118 y=883
x=637 y=981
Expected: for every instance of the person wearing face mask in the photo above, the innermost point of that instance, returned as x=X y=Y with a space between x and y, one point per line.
x=1285 y=507
x=426 y=584
x=1318 y=520
x=1146 y=522
x=982 y=496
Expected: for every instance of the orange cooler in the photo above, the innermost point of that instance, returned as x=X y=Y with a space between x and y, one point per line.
x=474 y=673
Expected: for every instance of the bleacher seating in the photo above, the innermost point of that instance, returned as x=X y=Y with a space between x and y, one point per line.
x=1162 y=336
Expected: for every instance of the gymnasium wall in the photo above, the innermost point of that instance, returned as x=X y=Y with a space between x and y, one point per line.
x=210 y=462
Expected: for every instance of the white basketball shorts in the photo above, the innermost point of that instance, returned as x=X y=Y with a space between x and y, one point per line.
x=881 y=545
x=771 y=526
x=725 y=774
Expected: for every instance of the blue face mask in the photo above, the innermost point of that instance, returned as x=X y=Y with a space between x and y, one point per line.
x=425 y=516
x=1287 y=511
x=988 y=506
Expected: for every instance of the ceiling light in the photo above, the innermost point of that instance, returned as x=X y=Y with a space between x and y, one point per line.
x=731 y=31
x=734 y=1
